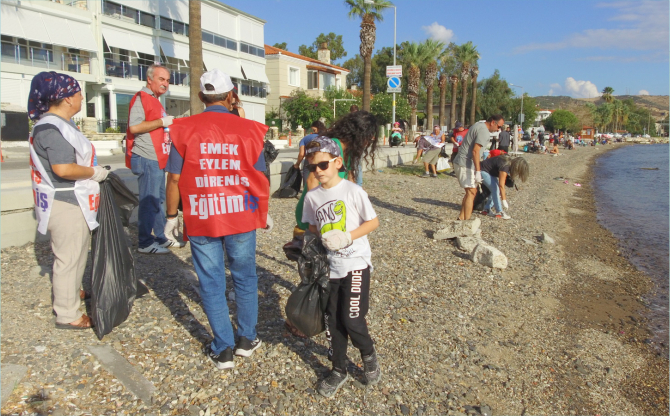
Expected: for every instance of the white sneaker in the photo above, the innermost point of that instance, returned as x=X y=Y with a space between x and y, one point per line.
x=503 y=215
x=153 y=249
x=173 y=244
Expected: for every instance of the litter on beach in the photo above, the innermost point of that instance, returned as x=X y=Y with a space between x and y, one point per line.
x=577 y=184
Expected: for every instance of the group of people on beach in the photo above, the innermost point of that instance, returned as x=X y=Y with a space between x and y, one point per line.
x=215 y=168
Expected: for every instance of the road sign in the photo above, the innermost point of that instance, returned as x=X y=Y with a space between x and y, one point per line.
x=393 y=82
x=394 y=70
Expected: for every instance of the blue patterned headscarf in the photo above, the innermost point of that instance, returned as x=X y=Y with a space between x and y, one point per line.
x=47 y=87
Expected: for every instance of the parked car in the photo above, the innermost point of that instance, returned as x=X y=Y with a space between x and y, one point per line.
x=646 y=136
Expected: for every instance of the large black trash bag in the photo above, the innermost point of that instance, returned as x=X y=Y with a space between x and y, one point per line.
x=114 y=285
x=124 y=198
x=292 y=183
x=306 y=306
x=270 y=153
x=480 y=199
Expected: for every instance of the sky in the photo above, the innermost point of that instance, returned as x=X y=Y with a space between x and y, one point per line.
x=566 y=47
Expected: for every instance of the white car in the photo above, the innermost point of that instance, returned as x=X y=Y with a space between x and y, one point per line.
x=646 y=136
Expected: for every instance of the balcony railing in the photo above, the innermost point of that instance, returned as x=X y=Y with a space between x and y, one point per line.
x=81 y=4
x=76 y=63
x=125 y=70
x=45 y=58
x=179 y=78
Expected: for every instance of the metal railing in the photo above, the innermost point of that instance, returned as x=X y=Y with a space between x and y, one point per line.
x=81 y=4
x=119 y=126
x=76 y=63
x=45 y=58
x=125 y=70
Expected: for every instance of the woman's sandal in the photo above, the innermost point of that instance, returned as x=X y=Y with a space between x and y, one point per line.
x=84 y=323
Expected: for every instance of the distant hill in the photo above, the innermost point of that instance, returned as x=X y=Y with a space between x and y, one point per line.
x=657 y=104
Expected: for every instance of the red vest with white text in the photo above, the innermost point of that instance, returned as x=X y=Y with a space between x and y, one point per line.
x=153 y=110
x=221 y=191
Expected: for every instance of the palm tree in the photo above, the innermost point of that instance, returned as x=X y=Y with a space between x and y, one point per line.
x=447 y=66
x=195 y=54
x=432 y=51
x=453 y=80
x=466 y=54
x=607 y=94
x=442 y=85
x=369 y=13
x=413 y=56
x=474 y=72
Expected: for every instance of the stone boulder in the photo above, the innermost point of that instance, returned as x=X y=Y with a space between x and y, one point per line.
x=468 y=244
x=489 y=256
x=546 y=239
x=457 y=228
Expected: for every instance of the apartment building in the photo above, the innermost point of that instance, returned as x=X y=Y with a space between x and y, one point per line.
x=289 y=71
x=108 y=46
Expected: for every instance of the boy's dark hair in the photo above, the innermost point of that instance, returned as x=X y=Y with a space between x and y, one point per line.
x=495 y=117
x=312 y=145
x=358 y=134
x=320 y=127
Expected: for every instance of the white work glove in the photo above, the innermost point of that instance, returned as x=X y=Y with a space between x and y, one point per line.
x=99 y=174
x=270 y=224
x=478 y=177
x=505 y=204
x=334 y=240
x=172 y=226
x=167 y=120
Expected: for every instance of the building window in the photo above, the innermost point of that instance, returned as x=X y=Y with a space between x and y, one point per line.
x=251 y=49
x=173 y=26
x=312 y=80
x=326 y=80
x=146 y=19
x=121 y=12
x=293 y=76
x=218 y=40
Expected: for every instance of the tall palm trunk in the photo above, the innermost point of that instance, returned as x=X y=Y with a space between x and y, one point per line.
x=473 y=105
x=442 y=84
x=368 y=34
x=413 y=91
x=465 y=72
x=454 y=92
x=195 y=55
x=429 y=81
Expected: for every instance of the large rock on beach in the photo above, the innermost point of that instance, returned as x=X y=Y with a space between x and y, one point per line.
x=457 y=228
x=468 y=244
x=490 y=256
x=546 y=239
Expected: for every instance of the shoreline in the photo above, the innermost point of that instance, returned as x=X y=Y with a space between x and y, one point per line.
x=454 y=337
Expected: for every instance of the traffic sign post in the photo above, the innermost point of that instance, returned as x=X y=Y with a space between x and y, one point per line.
x=393 y=85
x=393 y=70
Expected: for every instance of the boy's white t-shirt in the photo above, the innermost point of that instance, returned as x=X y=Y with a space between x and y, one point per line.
x=344 y=207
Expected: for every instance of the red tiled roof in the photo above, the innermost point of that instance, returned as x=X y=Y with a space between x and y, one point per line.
x=271 y=50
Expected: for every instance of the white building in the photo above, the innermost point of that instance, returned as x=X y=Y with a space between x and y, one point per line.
x=108 y=45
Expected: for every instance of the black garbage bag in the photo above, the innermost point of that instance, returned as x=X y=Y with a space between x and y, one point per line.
x=480 y=199
x=114 y=285
x=270 y=153
x=124 y=198
x=292 y=183
x=306 y=306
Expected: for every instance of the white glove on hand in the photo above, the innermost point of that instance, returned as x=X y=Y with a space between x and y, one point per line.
x=505 y=204
x=478 y=177
x=172 y=226
x=270 y=224
x=99 y=174
x=167 y=120
x=334 y=240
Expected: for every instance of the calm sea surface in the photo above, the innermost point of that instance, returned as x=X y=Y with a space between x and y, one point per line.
x=632 y=203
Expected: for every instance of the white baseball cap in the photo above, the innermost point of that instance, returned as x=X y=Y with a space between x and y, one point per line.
x=217 y=79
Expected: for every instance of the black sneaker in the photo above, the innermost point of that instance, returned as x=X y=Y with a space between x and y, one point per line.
x=222 y=360
x=371 y=369
x=331 y=384
x=245 y=348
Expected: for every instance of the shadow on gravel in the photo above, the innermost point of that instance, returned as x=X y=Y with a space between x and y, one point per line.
x=435 y=202
x=402 y=209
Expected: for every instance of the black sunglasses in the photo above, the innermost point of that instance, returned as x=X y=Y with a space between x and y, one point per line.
x=322 y=165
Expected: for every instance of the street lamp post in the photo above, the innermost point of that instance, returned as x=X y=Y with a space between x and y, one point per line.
x=521 y=116
x=395 y=15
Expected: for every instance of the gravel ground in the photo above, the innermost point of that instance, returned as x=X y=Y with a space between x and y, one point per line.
x=560 y=331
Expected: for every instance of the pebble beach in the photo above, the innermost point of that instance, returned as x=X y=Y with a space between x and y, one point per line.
x=562 y=330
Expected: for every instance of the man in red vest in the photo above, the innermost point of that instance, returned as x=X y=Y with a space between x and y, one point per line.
x=147 y=150
x=217 y=166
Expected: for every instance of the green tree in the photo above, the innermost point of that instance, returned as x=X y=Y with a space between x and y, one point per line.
x=602 y=116
x=433 y=51
x=368 y=13
x=355 y=66
x=495 y=97
x=467 y=56
x=334 y=45
x=529 y=110
x=302 y=109
x=561 y=120
x=607 y=94
x=447 y=65
x=380 y=61
x=382 y=107
x=282 y=45
x=413 y=58
x=342 y=107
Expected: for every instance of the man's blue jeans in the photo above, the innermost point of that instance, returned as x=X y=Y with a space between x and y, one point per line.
x=208 y=258
x=151 y=212
x=491 y=182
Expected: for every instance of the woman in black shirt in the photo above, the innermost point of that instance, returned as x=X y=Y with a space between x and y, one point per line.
x=494 y=172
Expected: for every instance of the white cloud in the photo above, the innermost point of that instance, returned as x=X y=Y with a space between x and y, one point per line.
x=641 y=26
x=438 y=32
x=643 y=92
x=575 y=89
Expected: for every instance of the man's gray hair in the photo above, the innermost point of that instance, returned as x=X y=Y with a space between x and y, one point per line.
x=152 y=67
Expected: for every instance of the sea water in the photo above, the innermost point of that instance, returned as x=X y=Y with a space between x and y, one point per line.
x=631 y=189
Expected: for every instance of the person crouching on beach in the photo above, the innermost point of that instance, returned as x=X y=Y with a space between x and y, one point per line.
x=341 y=213
x=494 y=175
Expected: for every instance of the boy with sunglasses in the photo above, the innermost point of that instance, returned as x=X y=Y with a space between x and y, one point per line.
x=341 y=213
